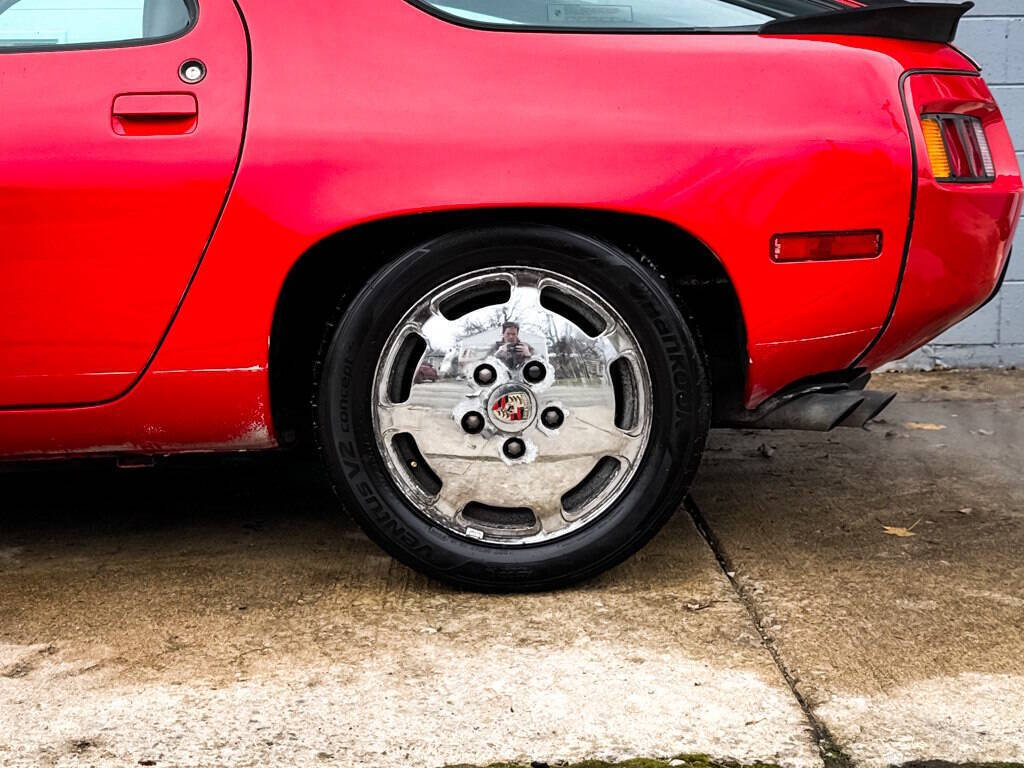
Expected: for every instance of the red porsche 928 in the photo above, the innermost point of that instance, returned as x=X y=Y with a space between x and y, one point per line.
x=604 y=227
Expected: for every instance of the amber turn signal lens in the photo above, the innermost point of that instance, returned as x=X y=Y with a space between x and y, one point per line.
x=936 y=146
x=826 y=246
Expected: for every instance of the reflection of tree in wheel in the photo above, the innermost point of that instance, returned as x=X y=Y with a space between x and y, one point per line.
x=575 y=359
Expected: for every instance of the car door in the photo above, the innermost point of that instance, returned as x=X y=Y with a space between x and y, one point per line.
x=122 y=122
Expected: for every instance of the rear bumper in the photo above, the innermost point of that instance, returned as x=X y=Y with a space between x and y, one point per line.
x=961 y=234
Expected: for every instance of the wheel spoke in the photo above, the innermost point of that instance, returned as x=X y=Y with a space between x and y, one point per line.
x=604 y=439
x=548 y=510
x=525 y=299
x=449 y=502
x=619 y=340
x=393 y=418
x=437 y=329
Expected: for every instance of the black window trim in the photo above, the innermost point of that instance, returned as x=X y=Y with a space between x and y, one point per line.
x=192 y=7
x=487 y=26
x=924 y=20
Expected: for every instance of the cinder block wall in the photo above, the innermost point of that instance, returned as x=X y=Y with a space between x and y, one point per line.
x=993 y=34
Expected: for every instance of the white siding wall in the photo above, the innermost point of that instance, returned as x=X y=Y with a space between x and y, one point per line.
x=993 y=34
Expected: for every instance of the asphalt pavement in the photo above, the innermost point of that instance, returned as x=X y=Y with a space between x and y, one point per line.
x=852 y=598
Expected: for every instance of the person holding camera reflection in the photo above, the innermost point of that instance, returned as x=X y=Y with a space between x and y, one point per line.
x=512 y=351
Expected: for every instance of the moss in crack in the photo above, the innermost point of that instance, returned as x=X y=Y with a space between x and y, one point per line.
x=679 y=761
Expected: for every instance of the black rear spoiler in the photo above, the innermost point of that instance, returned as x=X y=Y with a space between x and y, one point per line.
x=931 y=22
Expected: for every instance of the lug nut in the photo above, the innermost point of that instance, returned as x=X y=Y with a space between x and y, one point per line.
x=533 y=372
x=552 y=417
x=484 y=375
x=473 y=422
x=514 y=448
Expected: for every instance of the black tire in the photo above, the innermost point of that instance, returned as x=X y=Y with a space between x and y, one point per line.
x=680 y=403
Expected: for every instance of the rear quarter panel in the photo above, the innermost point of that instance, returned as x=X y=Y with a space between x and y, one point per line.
x=387 y=110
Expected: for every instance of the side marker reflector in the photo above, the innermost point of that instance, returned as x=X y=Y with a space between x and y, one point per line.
x=826 y=246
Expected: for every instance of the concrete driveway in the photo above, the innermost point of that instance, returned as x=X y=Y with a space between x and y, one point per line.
x=217 y=612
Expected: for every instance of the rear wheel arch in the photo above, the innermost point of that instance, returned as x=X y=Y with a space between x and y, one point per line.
x=334 y=269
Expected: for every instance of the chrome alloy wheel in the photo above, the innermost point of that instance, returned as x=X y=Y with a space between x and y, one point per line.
x=520 y=441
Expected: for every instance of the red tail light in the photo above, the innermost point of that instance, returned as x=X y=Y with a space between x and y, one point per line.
x=958 y=148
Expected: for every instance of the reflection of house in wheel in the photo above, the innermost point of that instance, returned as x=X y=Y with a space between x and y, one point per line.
x=434 y=358
x=470 y=350
x=573 y=358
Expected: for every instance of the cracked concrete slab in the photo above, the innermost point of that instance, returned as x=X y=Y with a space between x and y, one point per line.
x=907 y=648
x=218 y=613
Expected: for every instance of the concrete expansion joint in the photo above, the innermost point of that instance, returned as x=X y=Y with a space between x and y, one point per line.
x=831 y=754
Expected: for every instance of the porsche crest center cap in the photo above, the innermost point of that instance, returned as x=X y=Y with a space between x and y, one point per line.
x=512 y=408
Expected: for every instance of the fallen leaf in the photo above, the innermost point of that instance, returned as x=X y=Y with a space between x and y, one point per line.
x=903 y=533
x=699 y=606
x=923 y=425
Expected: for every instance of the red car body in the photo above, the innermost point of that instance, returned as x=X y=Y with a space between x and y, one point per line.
x=425 y=372
x=143 y=260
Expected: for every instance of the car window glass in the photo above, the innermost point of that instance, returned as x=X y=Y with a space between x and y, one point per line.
x=56 y=23
x=631 y=14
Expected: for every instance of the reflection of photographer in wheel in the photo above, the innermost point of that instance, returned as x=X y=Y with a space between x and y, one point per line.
x=510 y=350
